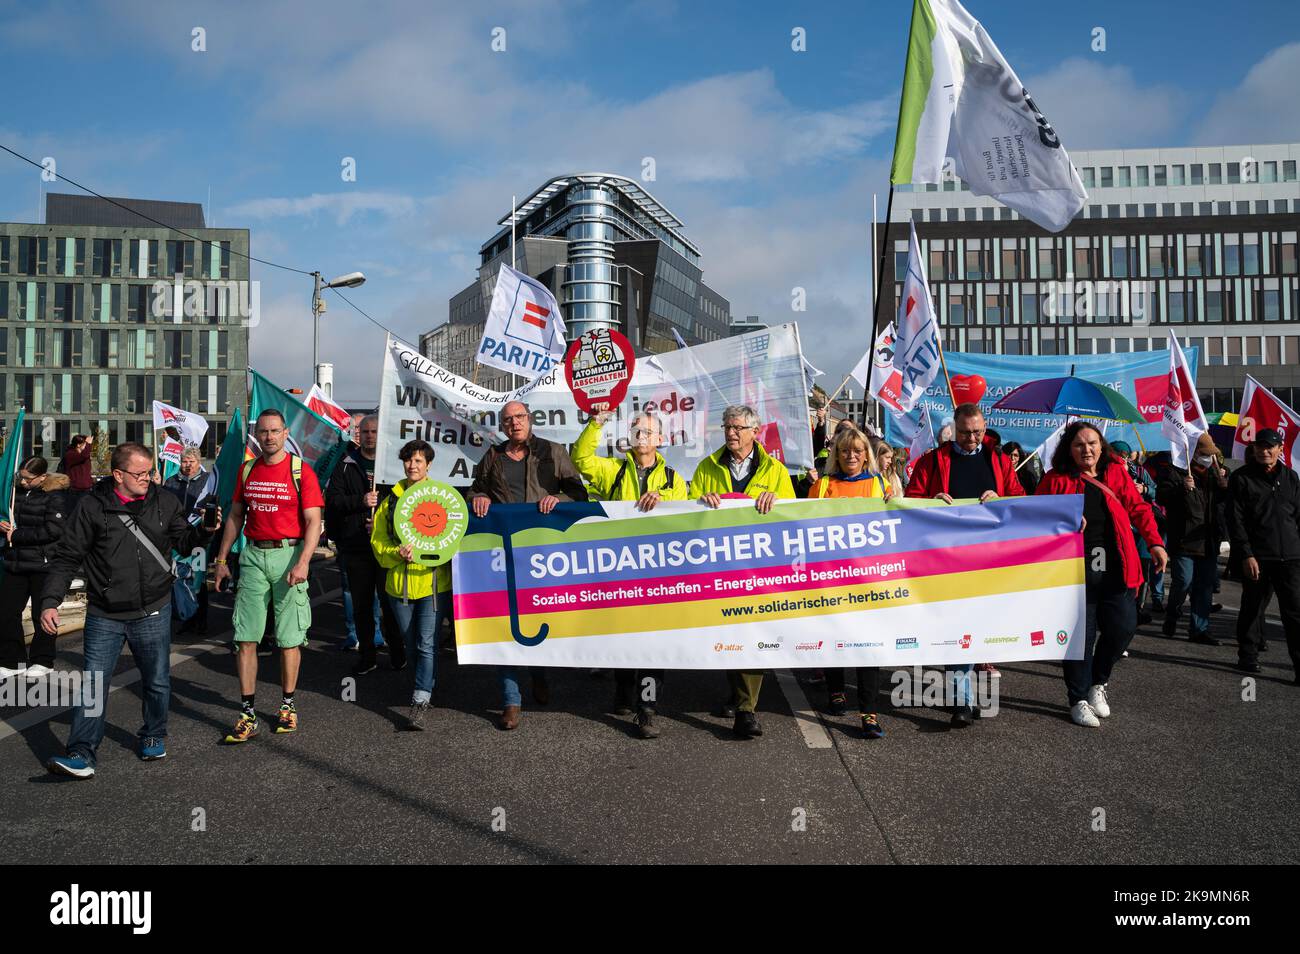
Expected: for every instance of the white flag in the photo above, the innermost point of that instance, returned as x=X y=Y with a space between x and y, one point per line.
x=963 y=101
x=922 y=441
x=327 y=408
x=170 y=451
x=1184 y=422
x=525 y=331
x=916 y=340
x=189 y=426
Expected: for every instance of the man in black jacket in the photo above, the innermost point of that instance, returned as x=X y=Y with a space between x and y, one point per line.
x=350 y=499
x=1193 y=501
x=1264 y=521
x=120 y=541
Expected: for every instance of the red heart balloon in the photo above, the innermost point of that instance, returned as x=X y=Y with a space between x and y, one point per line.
x=968 y=388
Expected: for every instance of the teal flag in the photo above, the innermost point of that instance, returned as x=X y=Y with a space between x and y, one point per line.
x=311 y=437
x=10 y=461
x=226 y=466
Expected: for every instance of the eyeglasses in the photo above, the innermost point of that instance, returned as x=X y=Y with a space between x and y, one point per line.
x=973 y=432
x=515 y=417
x=642 y=432
x=736 y=428
x=141 y=475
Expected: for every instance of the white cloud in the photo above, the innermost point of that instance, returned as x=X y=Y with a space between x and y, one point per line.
x=1263 y=108
x=342 y=206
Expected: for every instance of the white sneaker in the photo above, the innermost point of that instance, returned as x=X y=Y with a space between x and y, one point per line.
x=1096 y=699
x=1081 y=714
x=7 y=673
x=38 y=671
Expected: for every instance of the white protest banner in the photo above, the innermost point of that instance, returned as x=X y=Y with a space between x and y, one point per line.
x=813 y=583
x=687 y=388
x=525 y=331
x=190 y=427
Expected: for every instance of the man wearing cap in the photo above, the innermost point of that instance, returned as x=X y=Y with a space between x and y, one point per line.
x=1193 y=501
x=1264 y=524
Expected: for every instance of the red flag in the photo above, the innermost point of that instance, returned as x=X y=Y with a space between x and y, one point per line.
x=1261 y=410
x=326 y=408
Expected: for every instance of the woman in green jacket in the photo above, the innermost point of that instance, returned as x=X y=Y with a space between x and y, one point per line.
x=412 y=586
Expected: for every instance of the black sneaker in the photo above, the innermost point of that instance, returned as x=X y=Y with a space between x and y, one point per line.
x=746 y=725
x=726 y=709
x=1205 y=639
x=415 y=716
x=1244 y=666
x=1216 y=607
x=645 y=724
x=397 y=664
x=837 y=704
x=963 y=717
x=364 y=666
x=622 y=704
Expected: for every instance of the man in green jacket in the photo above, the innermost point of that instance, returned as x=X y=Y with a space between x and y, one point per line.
x=641 y=475
x=742 y=467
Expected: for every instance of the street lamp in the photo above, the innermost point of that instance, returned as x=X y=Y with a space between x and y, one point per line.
x=350 y=280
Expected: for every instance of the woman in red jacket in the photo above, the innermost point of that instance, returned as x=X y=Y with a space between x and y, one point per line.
x=1085 y=464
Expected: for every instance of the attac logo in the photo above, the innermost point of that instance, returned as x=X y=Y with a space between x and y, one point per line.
x=727 y=647
x=1062 y=637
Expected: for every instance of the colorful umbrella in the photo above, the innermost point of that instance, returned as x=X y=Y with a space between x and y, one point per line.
x=1223 y=426
x=1072 y=397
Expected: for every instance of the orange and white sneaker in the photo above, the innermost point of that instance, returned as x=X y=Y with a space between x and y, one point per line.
x=288 y=720
x=246 y=728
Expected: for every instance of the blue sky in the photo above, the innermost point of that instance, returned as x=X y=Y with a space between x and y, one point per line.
x=769 y=156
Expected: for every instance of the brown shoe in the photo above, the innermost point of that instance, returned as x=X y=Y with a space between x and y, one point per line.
x=509 y=718
x=541 y=690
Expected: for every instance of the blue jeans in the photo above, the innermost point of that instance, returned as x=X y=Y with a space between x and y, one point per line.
x=960 y=675
x=1194 y=578
x=150 y=640
x=508 y=676
x=419 y=622
x=347 y=606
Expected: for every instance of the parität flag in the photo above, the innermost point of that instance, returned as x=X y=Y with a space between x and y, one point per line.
x=1261 y=410
x=963 y=102
x=916 y=332
x=320 y=402
x=1183 y=421
x=524 y=332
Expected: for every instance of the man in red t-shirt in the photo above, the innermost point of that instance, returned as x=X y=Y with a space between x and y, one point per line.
x=277 y=505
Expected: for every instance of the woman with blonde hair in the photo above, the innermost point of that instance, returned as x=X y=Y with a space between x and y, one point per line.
x=852 y=473
x=885 y=461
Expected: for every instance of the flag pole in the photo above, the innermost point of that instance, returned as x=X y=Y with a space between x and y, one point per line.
x=513 y=200
x=1138 y=435
x=877 y=281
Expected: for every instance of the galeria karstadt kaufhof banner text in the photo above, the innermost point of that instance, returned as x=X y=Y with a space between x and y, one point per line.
x=813 y=583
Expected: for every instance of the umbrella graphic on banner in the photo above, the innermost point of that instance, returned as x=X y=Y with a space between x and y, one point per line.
x=505 y=520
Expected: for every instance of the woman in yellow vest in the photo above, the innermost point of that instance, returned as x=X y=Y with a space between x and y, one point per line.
x=854 y=474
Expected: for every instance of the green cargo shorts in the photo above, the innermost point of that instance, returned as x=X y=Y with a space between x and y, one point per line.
x=262 y=579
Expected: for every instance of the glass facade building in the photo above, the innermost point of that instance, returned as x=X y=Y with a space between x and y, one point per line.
x=92 y=330
x=614 y=258
x=1202 y=240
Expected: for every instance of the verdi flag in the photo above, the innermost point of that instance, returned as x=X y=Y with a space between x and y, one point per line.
x=10 y=461
x=316 y=440
x=191 y=428
x=963 y=102
x=1184 y=422
x=1261 y=410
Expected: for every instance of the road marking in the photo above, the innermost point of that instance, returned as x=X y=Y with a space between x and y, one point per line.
x=25 y=720
x=810 y=725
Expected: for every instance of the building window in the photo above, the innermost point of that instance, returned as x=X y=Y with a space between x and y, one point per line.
x=1198 y=174
x=1143 y=178
x=180 y=258
x=1088 y=176
x=67 y=302
x=1234 y=173
x=1159 y=172
x=1107 y=177
x=1122 y=177
x=1288 y=170
x=1176 y=175
x=31 y=301
x=1216 y=173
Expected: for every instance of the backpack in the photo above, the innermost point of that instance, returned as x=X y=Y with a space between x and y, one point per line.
x=670 y=477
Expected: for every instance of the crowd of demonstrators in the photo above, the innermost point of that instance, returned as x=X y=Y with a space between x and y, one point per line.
x=1084 y=463
x=120 y=541
x=741 y=467
x=1264 y=523
x=856 y=473
x=413 y=593
x=196 y=489
x=644 y=477
x=350 y=502
x=277 y=505
x=1194 y=524
x=36 y=525
x=523 y=468
x=970 y=466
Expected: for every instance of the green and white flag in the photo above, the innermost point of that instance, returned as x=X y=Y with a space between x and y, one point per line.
x=10 y=461
x=317 y=441
x=963 y=102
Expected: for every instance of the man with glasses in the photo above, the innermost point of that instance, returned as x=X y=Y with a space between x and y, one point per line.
x=120 y=542
x=523 y=468
x=742 y=467
x=969 y=467
x=641 y=476
x=277 y=504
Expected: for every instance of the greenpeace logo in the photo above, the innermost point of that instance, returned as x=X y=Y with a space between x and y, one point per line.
x=907 y=642
x=994 y=640
x=1036 y=638
x=77 y=907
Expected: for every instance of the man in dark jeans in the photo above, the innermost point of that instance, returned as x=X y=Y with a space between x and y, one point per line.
x=119 y=541
x=523 y=469
x=1264 y=521
x=350 y=500
x=1193 y=500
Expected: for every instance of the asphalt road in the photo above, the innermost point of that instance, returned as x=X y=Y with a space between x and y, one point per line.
x=1186 y=771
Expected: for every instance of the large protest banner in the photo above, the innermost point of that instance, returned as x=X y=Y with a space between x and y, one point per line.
x=814 y=583
x=687 y=388
x=1142 y=377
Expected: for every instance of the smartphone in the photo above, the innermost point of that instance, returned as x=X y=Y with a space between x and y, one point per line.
x=210 y=516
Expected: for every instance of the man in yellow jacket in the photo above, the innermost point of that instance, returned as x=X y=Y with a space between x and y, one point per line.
x=641 y=475
x=742 y=467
